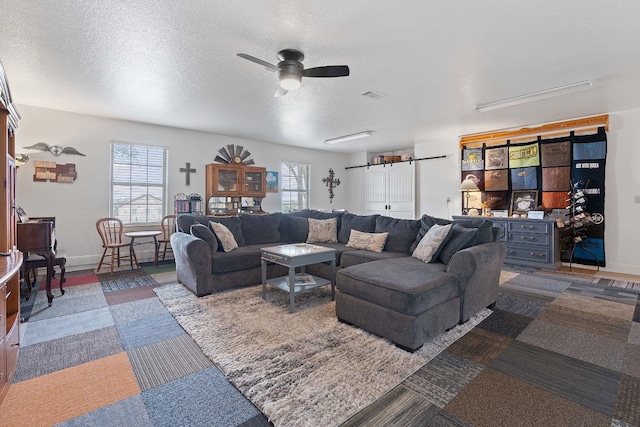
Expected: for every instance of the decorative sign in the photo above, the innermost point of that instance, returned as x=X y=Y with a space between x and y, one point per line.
x=53 y=172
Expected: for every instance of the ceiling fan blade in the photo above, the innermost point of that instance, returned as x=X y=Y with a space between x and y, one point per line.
x=280 y=92
x=265 y=64
x=328 y=71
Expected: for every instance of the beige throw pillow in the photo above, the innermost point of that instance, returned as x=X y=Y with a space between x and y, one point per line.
x=323 y=230
x=368 y=241
x=225 y=236
x=430 y=243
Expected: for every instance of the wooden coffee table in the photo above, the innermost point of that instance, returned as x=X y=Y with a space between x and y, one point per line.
x=297 y=256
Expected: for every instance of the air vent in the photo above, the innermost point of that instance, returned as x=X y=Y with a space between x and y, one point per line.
x=373 y=94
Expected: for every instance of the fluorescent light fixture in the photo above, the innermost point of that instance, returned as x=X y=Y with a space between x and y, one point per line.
x=349 y=137
x=535 y=96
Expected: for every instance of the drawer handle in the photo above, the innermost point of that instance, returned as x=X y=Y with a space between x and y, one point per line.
x=512 y=252
x=542 y=255
x=529 y=238
x=528 y=227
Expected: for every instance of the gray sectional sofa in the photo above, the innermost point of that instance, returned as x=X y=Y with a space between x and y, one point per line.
x=388 y=293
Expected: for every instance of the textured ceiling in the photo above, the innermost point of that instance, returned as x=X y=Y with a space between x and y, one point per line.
x=174 y=63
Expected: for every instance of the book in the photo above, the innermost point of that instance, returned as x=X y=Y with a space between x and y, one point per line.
x=303 y=279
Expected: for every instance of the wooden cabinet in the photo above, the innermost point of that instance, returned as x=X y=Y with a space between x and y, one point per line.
x=234 y=181
x=390 y=190
x=530 y=242
x=10 y=257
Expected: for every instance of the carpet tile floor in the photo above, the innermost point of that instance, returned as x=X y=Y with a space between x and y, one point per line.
x=107 y=353
x=559 y=349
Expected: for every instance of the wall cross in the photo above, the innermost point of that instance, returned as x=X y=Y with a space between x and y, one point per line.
x=332 y=183
x=188 y=171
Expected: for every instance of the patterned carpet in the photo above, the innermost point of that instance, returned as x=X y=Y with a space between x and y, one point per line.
x=559 y=349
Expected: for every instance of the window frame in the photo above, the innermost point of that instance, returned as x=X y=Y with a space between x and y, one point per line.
x=285 y=181
x=154 y=185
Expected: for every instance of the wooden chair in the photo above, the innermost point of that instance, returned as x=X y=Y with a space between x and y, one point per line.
x=110 y=230
x=35 y=261
x=168 y=225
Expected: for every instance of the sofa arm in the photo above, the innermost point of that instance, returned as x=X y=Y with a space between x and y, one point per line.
x=478 y=271
x=193 y=261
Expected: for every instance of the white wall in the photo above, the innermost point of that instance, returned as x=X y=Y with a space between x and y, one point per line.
x=77 y=206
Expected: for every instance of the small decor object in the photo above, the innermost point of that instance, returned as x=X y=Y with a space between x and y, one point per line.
x=188 y=170
x=234 y=154
x=53 y=172
x=523 y=201
x=468 y=184
x=56 y=150
x=272 y=181
x=332 y=183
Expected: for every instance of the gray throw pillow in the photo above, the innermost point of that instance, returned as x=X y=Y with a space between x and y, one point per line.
x=402 y=233
x=484 y=226
x=459 y=238
x=203 y=232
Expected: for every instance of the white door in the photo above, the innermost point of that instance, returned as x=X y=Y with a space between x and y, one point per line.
x=390 y=190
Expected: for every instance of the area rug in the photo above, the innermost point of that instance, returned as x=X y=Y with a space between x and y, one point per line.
x=303 y=368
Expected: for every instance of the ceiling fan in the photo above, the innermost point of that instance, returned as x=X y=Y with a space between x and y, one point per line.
x=290 y=69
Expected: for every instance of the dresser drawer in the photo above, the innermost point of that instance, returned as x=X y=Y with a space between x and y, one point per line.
x=537 y=227
x=528 y=239
x=530 y=254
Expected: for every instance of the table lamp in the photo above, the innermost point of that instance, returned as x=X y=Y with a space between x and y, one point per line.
x=467 y=185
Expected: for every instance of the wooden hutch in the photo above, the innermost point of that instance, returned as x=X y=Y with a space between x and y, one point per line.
x=10 y=257
x=235 y=188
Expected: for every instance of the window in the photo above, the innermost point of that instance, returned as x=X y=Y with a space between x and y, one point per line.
x=294 y=186
x=138 y=181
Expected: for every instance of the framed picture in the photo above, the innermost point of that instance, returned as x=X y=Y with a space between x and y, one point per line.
x=272 y=182
x=523 y=201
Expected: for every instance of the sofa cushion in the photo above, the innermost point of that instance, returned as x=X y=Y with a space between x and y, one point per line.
x=402 y=232
x=484 y=226
x=323 y=230
x=404 y=284
x=233 y=224
x=298 y=229
x=459 y=238
x=368 y=241
x=365 y=223
x=243 y=258
x=225 y=237
x=429 y=248
x=261 y=229
x=426 y=222
x=185 y=221
x=359 y=256
x=203 y=232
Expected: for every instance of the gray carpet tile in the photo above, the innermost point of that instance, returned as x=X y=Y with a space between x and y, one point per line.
x=504 y=323
x=445 y=419
x=258 y=420
x=442 y=378
x=631 y=364
x=540 y=282
x=634 y=334
x=164 y=278
x=127 y=412
x=46 y=357
x=582 y=345
x=204 y=398
x=586 y=384
x=619 y=283
x=167 y=360
x=112 y=284
x=76 y=299
x=517 y=304
x=63 y=326
x=624 y=296
x=628 y=408
x=136 y=310
x=148 y=330
x=399 y=407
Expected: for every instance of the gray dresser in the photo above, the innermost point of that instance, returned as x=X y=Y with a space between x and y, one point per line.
x=530 y=242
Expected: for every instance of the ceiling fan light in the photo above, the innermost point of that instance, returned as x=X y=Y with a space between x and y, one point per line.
x=290 y=82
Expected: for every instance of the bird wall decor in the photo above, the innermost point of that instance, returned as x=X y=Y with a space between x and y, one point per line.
x=56 y=150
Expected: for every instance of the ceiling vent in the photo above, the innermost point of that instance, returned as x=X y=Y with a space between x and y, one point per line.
x=373 y=94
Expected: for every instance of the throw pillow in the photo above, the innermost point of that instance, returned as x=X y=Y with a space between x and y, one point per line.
x=365 y=223
x=402 y=233
x=427 y=249
x=426 y=222
x=225 y=236
x=368 y=241
x=460 y=238
x=484 y=226
x=234 y=226
x=203 y=232
x=323 y=230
